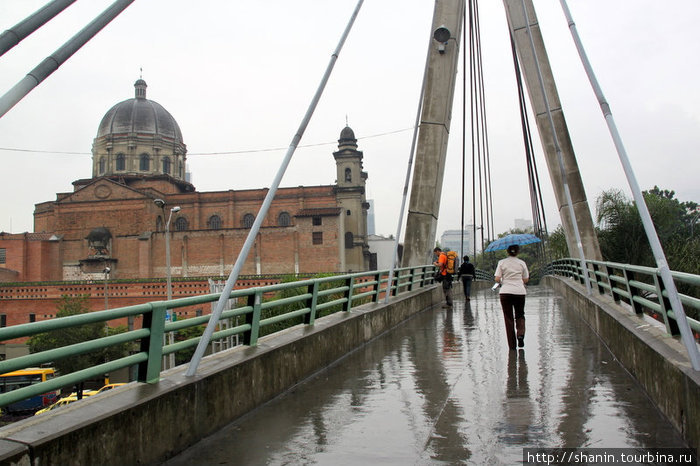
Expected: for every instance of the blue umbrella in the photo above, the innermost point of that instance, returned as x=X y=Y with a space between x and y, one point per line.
x=519 y=239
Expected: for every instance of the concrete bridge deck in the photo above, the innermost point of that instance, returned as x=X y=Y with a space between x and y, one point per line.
x=444 y=389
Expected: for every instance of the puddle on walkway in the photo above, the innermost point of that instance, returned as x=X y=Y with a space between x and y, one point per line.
x=445 y=389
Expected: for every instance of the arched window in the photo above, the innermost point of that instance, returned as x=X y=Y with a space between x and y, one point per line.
x=248 y=220
x=102 y=165
x=121 y=162
x=166 y=165
x=283 y=219
x=348 y=240
x=144 y=163
x=159 y=223
x=179 y=170
x=214 y=222
x=181 y=224
x=348 y=174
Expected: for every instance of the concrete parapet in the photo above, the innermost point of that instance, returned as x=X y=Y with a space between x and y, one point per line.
x=659 y=362
x=145 y=424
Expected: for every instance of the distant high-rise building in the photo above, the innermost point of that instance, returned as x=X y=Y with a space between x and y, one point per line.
x=523 y=224
x=452 y=240
x=370 y=217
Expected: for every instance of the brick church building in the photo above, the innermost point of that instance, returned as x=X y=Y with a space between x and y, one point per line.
x=118 y=218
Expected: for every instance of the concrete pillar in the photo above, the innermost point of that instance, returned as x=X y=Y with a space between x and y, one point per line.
x=424 y=204
x=518 y=28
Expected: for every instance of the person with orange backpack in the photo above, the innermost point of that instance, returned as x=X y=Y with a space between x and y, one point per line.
x=446 y=265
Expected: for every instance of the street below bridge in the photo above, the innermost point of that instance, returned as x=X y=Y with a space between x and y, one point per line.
x=443 y=388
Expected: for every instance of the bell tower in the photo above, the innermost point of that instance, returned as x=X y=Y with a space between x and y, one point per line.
x=350 y=192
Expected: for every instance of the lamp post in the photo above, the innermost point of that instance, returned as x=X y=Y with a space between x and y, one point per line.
x=106 y=272
x=161 y=203
x=168 y=280
x=167 y=251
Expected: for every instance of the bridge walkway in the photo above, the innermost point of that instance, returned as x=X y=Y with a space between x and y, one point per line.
x=444 y=389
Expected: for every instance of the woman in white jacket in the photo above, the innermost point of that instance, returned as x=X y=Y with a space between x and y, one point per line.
x=512 y=274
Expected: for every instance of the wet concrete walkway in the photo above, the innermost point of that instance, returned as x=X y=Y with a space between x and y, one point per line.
x=444 y=389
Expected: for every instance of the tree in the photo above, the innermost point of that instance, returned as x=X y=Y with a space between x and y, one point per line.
x=557 y=247
x=530 y=253
x=68 y=306
x=623 y=239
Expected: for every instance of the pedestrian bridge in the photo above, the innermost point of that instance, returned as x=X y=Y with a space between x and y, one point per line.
x=426 y=385
x=444 y=388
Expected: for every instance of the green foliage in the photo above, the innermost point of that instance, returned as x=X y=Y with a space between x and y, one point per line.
x=185 y=355
x=296 y=291
x=68 y=306
x=556 y=245
x=532 y=254
x=623 y=239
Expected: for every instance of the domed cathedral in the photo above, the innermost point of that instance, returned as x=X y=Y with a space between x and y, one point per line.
x=350 y=191
x=139 y=140
x=138 y=190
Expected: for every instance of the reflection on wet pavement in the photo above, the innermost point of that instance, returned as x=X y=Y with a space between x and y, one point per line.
x=444 y=389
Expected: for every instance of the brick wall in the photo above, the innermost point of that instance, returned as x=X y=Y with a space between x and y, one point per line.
x=19 y=301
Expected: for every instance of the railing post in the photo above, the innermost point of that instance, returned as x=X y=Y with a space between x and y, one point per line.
x=598 y=281
x=349 y=282
x=629 y=276
x=665 y=304
x=310 y=318
x=376 y=287
x=149 y=371
x=587 y=271
x=250 y=337
x=579 y=273
x=613 y=285
x=412 y=277
x=395 y=290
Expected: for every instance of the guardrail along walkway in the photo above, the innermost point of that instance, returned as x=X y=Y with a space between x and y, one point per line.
x=445 y=388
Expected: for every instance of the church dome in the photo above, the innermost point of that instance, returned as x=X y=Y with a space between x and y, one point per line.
x=138 y=137
x=347 y=134
x=347 y=139
x=140 y=115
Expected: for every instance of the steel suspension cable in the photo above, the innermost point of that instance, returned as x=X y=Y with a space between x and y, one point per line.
x=248 y=244
x=652 y=236
x=24 y=28
x=476 y=146
x=557 y=149
x=476 y=160
x=63 y=53
x=464 y=124
x=485 y=136
x=537 y=205
x=481 y=167
x=475 y=123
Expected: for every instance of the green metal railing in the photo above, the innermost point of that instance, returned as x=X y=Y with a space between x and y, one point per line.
x=640 y=287
x=314 y=297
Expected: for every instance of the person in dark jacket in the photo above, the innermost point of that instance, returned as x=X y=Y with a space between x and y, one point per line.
x=467 y=273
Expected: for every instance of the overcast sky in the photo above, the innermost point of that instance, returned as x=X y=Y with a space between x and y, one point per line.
x=238 y=76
